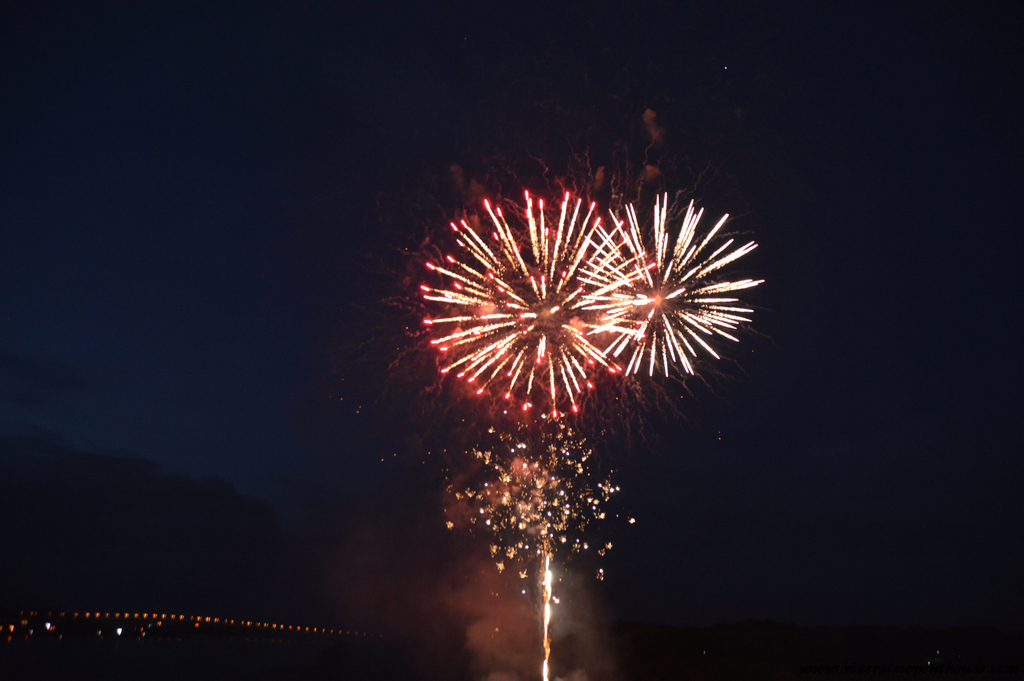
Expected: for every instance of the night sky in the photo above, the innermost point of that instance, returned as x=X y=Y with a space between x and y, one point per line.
x=203 y=206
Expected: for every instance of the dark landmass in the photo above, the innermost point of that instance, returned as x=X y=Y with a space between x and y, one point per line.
x=769 y=650
x=156 y=647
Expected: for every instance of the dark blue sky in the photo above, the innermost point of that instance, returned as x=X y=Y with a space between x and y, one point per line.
x=192 y=199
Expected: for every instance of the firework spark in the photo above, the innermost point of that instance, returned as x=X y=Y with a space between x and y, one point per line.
x=673 y=300
x=534 y=501
x=522 y=323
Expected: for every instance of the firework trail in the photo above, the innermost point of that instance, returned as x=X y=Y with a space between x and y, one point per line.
x=672 y=293
x=547 y=613
x=534 y=494
x=522 y=323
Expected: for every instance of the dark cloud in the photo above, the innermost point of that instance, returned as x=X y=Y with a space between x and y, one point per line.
x=84 y=530
x=28 y=383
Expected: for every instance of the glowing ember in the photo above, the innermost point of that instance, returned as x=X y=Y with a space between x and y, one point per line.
x=532 y=500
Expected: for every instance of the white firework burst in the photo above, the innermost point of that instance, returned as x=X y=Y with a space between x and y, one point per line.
x=665 y=298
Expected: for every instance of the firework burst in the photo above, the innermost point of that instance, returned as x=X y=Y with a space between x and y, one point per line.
x=665 y=299
x=533 y=500
x=535 y=324
x=524 y=324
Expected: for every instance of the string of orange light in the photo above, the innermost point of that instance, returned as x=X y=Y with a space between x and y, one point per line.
x=197 y=620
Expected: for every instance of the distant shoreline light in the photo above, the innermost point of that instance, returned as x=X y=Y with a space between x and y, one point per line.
x=55 y=624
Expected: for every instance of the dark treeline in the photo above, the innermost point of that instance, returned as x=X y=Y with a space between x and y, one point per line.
x=769 y=650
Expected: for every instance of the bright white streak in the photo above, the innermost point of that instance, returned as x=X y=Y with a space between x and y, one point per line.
x=547 y=612
x=658 y=290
